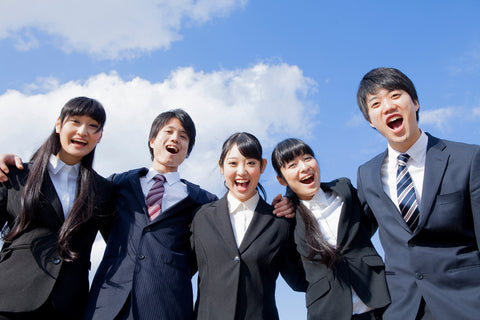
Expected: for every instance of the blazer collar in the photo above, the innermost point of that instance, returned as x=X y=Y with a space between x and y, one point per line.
x=345 y=193
x=262 y=217
x=435 y=164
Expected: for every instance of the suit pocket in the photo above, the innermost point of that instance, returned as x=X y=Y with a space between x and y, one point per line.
x=450 y=197
x=317 y=290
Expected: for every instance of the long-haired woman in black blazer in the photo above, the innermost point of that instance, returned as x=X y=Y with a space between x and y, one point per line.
x=346 y=276
x=51 y=212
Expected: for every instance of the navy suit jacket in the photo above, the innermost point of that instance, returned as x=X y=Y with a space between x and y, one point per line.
x=239 y=282
x=145 y=260
x=440 y=261
x=329 y=294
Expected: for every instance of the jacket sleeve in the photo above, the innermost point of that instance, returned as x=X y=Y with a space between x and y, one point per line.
x=292 y=268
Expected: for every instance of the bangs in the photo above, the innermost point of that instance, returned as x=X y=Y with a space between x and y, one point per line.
x=83 y=106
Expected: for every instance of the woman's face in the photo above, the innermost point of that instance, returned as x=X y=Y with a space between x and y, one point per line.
x=78 y=136
x=241 y=173
x=302 y=175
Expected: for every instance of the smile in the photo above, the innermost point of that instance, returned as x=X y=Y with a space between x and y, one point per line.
x=395 y=122
x=308 y=179
x=172 y=149
x=79 y=141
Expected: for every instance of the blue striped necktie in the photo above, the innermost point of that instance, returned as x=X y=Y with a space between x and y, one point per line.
x=155 y=196
x=407 y=200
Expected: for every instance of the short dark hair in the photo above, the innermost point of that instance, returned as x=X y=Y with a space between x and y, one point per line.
x=162 y=119
x=383 y=78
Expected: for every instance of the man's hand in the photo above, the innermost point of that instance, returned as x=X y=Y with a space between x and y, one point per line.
x=5 y=161
x=283 y=207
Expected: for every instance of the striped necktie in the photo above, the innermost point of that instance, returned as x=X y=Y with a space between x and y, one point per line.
x=407 y=200
x=155 y=195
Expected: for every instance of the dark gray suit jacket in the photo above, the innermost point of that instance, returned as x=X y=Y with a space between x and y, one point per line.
x=440 y=261
x=31 y=270
x=146 y=263
x=329 y=293
x=239 y=283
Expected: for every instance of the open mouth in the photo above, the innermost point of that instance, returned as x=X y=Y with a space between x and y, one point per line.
x=242 y=184
x=307 y=180
x=395 y=122
x=172 y=149
x=79 y=142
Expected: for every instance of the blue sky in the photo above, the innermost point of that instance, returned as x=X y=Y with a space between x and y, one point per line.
x=276 y=69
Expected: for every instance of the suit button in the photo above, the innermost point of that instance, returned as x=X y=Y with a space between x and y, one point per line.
x=141 y=257
x=418 y=276
x=56 y=260
x=412 y=243
x=236 y=259
x=147 y=229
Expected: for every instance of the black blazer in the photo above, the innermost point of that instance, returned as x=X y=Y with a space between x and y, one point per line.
x=329 y=294
x=31 y=269
x=440 y=261
x=239 y=283
x=146 y=263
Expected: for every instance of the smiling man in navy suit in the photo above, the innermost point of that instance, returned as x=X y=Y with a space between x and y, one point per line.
x=426 y=207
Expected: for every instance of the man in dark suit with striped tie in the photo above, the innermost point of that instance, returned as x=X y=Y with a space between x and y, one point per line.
x=423 y=194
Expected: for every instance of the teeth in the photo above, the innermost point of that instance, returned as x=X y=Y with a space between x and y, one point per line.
x=394 y=119
x=306 y=178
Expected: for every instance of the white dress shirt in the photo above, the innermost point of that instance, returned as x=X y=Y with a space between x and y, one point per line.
x=326 y=207
x=175 y=189
x=241 y=214
x=64 y=178
x=415 y=166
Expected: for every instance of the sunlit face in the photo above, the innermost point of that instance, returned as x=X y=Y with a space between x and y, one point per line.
x=393 y=114
x=78 y=136
x=302 y=175
x=241 y=173
x=170 y=147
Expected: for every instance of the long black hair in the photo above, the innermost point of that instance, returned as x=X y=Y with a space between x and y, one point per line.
x=249 y=147
x=83 y=206
x=284 y=152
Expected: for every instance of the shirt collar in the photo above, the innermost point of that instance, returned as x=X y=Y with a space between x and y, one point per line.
x=55 y=165
x=417 y=151
x=319 y=200
x=170 y=177
x=234 y=204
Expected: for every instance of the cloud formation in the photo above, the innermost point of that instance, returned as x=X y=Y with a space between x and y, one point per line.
x=106 y=29
x=270 y=101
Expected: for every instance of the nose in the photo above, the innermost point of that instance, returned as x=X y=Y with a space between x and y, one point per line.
x=303 y=166
x=82 y=129
x=241 y=170
x=388 y=105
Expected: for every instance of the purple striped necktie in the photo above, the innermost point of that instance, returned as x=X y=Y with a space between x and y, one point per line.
x=154 y=197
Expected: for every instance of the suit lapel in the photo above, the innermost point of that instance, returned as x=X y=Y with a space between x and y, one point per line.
x=378 y=186
x=435 y=164
x=262 y=217
x=220 y=219
x=136 y=188
x=52 y=198
x=345 y=219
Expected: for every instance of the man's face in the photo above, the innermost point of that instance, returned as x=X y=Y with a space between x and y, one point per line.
x=393 y=114
x=170 y=147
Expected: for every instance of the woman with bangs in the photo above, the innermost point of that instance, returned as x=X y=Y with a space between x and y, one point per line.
x=239 y=245
x=51 y=212
x=346 y=276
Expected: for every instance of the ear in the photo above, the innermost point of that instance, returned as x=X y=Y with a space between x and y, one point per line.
x=263 y=165
x=370 y=123
x=100 y=138
x=150 y=143
x=282 y=181
x=417 y=106
x=220 y=166
x=58 y=126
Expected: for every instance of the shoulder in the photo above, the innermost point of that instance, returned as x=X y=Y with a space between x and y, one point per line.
x=119 y=178
x=198 y=194
x=16 y=177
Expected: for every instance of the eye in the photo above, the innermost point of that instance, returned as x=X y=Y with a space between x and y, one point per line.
x=232 y=163
x=291 y=165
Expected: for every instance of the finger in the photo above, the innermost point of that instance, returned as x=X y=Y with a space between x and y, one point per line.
x=18 y=162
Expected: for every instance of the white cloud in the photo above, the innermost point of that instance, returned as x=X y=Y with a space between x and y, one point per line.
x=438 y=117
x=267 y=100
x=107 y=29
